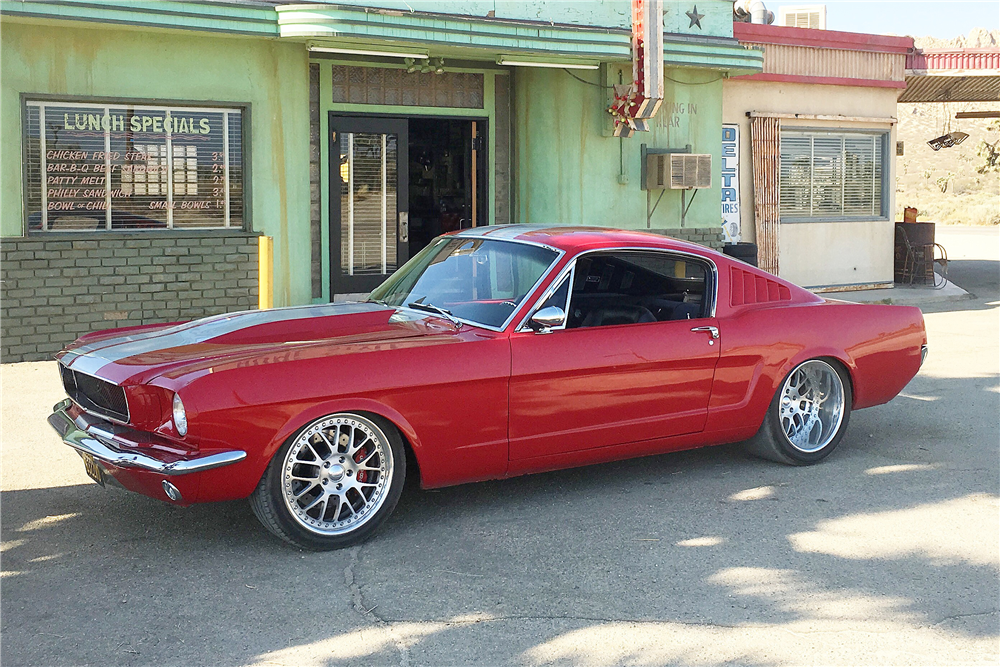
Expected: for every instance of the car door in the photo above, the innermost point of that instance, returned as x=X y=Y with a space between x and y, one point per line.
x=613 y=374
x=369 y=232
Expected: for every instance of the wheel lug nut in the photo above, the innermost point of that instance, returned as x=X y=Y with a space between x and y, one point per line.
x=340 y=486
x=341 y=459
x=349 y=473
x=326 y=465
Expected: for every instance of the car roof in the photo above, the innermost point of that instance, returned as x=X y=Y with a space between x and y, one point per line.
x=573 y=239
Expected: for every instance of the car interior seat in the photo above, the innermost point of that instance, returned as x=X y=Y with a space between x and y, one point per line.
x=608 y=315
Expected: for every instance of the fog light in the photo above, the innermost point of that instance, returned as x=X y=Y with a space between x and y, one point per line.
x=180 y=416
x=172 y=491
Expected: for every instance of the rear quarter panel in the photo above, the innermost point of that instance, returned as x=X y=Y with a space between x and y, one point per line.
x=878 y=345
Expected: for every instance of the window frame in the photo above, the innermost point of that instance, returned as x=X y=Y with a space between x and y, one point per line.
x=568 y=274
x=882 y=134
x=246 y=123
x=560 y=254
x=569 y=271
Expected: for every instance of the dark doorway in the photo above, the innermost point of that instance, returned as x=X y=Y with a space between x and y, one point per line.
x=395 y=184
x=447 y=177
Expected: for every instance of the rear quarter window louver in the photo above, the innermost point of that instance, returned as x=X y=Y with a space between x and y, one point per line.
x=748 y=288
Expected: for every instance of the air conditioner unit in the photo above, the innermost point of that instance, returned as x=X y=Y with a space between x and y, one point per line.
x=678 y=171
x=811 y=16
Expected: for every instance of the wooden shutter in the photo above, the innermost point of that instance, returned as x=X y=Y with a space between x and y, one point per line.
x=765 y=145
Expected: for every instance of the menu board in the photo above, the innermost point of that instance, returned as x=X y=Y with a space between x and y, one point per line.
x=94 y=167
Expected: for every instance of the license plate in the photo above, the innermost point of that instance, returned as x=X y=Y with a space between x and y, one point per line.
x=94 y=470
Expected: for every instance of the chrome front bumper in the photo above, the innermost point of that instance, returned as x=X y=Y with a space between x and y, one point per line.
x=98 y=439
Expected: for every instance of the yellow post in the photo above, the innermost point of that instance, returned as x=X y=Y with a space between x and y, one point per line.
x=265 y=268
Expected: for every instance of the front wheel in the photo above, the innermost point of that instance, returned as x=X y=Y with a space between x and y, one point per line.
x=807 y=417
x=333 y=483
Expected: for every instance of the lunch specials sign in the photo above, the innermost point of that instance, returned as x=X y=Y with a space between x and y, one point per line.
x=107 y=167
x=731 y=183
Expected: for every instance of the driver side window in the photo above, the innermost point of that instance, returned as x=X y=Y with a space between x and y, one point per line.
x=637 y=287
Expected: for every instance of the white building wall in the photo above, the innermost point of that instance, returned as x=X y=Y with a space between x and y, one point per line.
x=819 y=254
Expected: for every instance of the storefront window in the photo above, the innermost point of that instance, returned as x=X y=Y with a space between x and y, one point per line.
x=126 y=167
x=829 y=175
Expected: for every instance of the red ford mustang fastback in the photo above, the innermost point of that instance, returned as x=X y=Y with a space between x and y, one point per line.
x=494 y=352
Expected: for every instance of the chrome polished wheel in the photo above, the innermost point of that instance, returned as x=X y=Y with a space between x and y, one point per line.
x=811 y=407
x=337 y=474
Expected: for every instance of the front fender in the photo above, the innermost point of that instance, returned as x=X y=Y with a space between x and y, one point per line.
x=322 y=409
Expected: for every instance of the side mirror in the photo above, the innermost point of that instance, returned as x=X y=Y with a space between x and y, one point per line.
x=546 y=318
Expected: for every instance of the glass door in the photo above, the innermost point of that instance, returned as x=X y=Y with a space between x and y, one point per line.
x=369 y=235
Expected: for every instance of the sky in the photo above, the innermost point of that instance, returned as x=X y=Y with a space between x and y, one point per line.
x=918 y=18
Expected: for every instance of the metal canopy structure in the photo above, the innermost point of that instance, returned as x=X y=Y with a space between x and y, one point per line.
x=957 y=75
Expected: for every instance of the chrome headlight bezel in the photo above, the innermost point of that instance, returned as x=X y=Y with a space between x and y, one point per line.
x=179 y=416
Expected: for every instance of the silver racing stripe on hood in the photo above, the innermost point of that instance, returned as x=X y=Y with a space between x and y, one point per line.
x=92 y=357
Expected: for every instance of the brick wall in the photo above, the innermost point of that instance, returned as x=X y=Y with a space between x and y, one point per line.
x=707 y=236
x=56 y=289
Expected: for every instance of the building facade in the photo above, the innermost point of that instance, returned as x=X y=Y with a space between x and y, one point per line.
x=816 y=153
x=147 y=146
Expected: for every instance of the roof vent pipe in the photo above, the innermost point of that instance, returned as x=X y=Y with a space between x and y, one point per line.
x=752 y=11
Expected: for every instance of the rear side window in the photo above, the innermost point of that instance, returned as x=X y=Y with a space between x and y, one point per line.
x=636 y=287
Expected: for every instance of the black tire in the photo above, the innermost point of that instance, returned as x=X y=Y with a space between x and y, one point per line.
x=772 y=443
x=271 y=501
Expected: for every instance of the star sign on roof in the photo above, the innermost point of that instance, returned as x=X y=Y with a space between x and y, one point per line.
x=695 y=17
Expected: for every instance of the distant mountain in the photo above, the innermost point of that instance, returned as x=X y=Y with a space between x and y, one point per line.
x=978 y=38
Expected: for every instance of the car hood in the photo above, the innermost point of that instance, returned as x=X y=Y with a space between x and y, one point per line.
x=133 y=356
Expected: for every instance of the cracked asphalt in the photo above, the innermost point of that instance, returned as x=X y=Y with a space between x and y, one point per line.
x=886 y=553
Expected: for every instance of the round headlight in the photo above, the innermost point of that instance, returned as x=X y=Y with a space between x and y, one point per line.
x=180 y=416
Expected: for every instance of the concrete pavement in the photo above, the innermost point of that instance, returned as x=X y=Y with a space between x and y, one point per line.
x=973 y=268
x=886 y=553
x=904 y=295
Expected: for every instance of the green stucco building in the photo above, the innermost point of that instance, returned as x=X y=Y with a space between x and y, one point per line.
x=144 y=146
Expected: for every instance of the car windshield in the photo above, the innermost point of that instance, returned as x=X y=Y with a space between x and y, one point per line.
x=478 y=280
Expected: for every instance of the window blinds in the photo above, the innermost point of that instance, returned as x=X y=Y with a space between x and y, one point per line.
x=830 y=175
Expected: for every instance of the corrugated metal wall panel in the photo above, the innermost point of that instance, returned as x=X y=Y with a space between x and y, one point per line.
x=967 y=59
x=962 y=88
x=832 y=63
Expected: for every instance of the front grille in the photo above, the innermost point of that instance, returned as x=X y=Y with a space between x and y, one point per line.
x=95 y=395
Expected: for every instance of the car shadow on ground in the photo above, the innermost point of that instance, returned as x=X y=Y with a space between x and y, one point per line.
x=649 y=561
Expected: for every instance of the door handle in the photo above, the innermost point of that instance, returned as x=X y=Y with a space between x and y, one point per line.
x=712 y=330
x=404 y=226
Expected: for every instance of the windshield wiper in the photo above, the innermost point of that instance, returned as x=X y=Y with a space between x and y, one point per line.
x=431 y=308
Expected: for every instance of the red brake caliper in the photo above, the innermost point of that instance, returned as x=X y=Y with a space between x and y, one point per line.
x=358 y=458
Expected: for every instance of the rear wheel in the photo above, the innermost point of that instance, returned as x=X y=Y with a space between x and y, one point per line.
x=807 y=417
x=333 y=483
